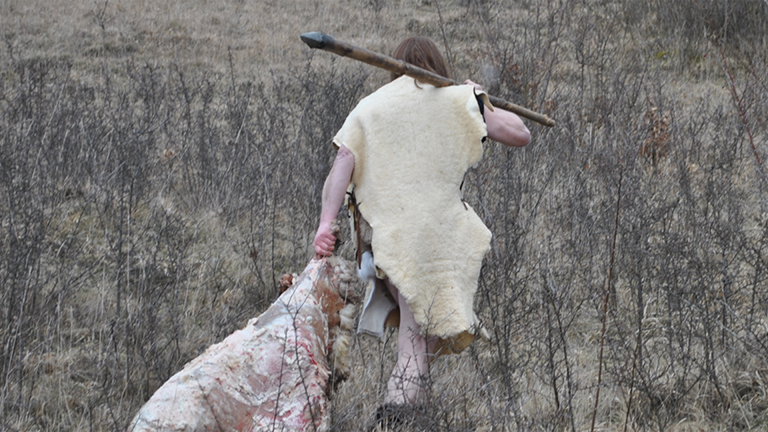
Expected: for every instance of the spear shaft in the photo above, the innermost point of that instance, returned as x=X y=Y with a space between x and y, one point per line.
x=324 y=42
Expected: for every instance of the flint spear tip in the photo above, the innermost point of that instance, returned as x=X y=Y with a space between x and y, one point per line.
x=314 y=39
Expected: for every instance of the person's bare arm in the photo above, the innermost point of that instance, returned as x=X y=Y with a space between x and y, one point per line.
x=333 y=195
x=503 y=126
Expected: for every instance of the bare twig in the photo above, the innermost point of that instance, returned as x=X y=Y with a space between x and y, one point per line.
x=737 y=101
x=607 y=297
x=445 y=39
x=638 y=345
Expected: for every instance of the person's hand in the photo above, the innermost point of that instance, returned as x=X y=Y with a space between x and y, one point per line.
x=474 y=84
x=324 y=242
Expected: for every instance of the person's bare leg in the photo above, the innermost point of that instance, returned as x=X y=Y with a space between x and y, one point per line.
x=413 y=351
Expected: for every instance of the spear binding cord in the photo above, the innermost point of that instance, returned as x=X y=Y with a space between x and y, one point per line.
x=326 y=43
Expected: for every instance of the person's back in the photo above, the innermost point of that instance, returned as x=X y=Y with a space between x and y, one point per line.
x=412 y=144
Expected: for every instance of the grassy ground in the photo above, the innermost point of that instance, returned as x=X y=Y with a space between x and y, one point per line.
x=161 y=166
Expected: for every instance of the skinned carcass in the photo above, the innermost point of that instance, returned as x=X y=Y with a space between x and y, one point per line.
x=273 y=374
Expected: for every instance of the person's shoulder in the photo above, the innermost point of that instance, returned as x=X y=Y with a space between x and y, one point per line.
x=387 y=95
x=396 y=88
x=461 y=90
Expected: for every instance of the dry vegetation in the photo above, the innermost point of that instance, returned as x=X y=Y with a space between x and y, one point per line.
x=161 y=162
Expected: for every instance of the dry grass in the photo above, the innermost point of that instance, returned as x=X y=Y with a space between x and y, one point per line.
x=261 y=36
x=161 y=164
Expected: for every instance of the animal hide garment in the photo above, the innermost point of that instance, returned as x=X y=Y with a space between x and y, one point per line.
x=412 y=144
x=271 y=375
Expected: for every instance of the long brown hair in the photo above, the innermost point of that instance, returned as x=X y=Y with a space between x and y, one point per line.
x=421 y=52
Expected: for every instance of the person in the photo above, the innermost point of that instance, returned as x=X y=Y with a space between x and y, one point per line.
x=404 y=149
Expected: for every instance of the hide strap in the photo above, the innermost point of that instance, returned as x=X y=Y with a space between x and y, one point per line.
x=355 y=212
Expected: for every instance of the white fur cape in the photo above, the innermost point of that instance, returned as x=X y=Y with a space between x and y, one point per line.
x=412 y=144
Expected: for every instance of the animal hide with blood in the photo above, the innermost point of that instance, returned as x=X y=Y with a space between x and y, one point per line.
x=271 y=375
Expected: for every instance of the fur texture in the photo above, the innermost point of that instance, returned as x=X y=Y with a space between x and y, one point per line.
x=412 y=144
x=272 y=375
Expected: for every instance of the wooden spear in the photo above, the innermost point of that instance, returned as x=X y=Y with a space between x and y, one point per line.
x=324 y=42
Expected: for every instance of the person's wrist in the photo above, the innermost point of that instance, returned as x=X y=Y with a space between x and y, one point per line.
x=324 y=225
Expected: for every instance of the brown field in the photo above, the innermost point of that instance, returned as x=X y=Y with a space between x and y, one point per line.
x=161 y=165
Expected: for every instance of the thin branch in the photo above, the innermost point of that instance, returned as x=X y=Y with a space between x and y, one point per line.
x=607 y=297
x=638 y=345
x=737 y=100
x=445 y=39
